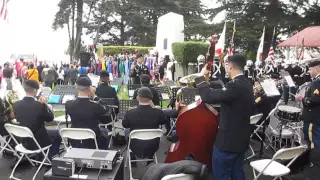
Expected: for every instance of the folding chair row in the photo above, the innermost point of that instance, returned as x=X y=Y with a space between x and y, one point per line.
x=144 y=135
x=24 y=132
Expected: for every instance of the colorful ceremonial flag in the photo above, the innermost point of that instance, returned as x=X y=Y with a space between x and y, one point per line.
x=221 y=42
x=260 y=49
x=231 y=47
x=271 y=50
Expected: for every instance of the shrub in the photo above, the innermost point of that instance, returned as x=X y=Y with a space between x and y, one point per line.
x=188 y=52
x=113 y=50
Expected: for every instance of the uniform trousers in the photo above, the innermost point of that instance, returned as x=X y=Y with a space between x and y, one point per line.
x=226 y=165
x=311 y=134
x=56 y=141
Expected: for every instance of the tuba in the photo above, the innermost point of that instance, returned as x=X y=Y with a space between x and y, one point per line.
x=189 y=79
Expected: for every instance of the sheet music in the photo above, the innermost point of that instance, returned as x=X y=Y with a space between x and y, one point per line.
x=165 y=96
x=289 y=81
x=270 y=88
x=94 y=79
x=131 y=92
x=67 y=98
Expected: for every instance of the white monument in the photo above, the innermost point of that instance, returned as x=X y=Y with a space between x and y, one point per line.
x=170 y=30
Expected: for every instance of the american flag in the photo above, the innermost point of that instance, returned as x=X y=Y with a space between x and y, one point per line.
x=4 y=9
x=271 y=50
x=231 y=47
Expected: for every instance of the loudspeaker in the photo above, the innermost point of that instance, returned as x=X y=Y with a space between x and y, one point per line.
x=84 y=59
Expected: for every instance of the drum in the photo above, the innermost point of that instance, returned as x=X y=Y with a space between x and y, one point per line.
x=288 y=113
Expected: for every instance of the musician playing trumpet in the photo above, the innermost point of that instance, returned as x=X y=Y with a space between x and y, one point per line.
x=311 y=107
x=237 y=105
x=33 y=114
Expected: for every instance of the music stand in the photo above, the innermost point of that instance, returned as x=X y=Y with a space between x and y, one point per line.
x=173 y=97
x=163 y=92
x=63 y=90
x=111 y=103
x=189 y=95
x=126 y=105
x=270 y=91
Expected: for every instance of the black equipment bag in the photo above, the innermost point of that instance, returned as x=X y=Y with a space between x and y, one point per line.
x=309 y=170
x=160 y=170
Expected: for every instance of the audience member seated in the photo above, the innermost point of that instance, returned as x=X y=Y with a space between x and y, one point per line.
x=145 y=82
x=85 y=112
x=30 y=113
x=143 y=117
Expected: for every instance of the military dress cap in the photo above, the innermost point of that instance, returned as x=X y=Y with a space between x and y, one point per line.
x=139 y=55
x=145 y=92
x=32 y=84
x=314 y=63
x=104 y=74
x=84 y=82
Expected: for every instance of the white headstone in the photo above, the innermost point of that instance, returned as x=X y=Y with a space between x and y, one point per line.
x=170 y=30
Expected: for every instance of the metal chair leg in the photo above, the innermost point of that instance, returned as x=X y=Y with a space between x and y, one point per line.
x=14 y=169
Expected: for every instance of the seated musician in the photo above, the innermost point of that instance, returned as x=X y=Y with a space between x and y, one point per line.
x=143 y=117
x=85 y=112
x=30 y=113
x=104 y=90
x=145 y=82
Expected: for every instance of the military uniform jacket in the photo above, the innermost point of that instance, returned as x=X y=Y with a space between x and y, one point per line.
x=32 y=114
x=144 y=117
x=237 y=105
x=104 y=90
x=138 y=70
x=155 y=94
x=311 y=102
x=85 y=113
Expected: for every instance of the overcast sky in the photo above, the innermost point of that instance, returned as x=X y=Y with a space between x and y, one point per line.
x=29 y=29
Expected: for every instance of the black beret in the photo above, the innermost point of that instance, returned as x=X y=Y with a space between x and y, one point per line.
x=32 y=84
x=145 y=92
x=314 y=63
x=139 y=55
x=104 y=74
x=84 y=81
x=145 y=79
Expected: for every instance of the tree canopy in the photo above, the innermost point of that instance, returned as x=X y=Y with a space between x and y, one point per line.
x=134 y=22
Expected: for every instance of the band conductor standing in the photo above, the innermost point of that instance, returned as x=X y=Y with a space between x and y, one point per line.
x=237 y=104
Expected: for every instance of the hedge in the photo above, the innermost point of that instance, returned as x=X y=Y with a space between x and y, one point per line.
x=188 y=52
x=113 y=50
